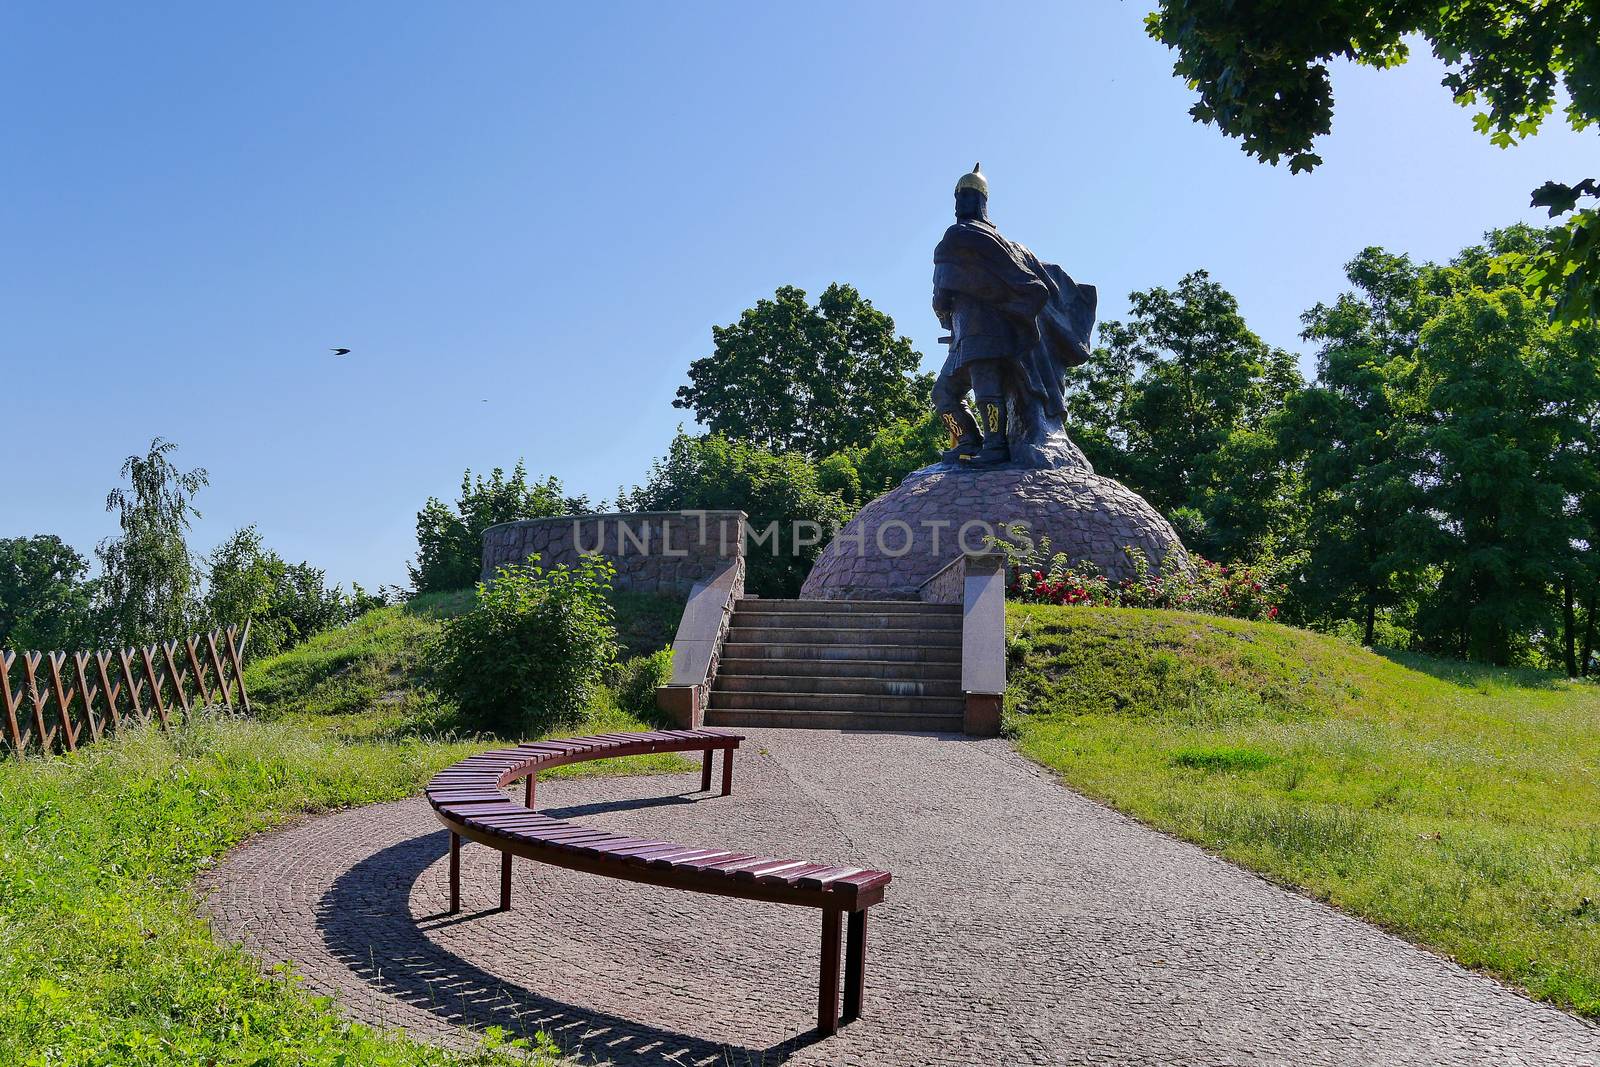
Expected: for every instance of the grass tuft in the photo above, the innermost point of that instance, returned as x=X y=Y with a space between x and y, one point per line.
x=1221 y=758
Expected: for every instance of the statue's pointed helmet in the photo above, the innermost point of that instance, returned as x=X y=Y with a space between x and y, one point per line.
x=974 y=179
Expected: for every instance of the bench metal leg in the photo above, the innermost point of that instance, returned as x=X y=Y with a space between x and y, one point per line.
x=705 y=773
x=527 y=796
x=828 y=981
x=455 y=872
x=727 y=770
x=855 y=963
x=505 y=881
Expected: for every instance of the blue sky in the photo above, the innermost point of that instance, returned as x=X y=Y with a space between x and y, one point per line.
x=524 y=220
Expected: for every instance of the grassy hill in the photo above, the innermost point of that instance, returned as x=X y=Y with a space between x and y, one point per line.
x=1458 y=806
x=363 y=681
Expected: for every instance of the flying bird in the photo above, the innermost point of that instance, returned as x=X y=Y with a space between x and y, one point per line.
x=340 y=351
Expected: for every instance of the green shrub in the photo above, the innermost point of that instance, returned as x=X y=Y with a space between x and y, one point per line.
x=530 y=654
x=635 y=681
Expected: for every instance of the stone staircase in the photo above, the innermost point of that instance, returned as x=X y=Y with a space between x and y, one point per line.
x=840 y=664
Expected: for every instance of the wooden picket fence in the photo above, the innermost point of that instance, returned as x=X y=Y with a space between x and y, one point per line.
x=63 y=700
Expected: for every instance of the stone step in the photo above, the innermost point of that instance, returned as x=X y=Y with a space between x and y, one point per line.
x=742 y=633
x=833 y=720
x=941 y=622
x=847 y=607
x=854 y=701
x=735 y=648
x=733 y=682
x=841 y=669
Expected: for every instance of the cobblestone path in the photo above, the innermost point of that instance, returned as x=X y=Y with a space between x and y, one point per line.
x=1025 y=924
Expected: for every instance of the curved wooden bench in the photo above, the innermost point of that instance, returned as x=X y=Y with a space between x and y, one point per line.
x=468 y=800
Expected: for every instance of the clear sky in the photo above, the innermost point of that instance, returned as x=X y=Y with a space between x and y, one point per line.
x=525 y=218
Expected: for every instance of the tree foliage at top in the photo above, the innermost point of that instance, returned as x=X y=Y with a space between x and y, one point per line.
x=1262 y=74
x=791 y=515
x=450 y=539
x=1178 y=402
x=1449 y=458
x=1354 y=430
x=1509 y=453
x=793 y=377
x=149 y=581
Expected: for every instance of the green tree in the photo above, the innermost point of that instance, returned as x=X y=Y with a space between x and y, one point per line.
x=46 y=599
x=450 y=539
x=792 y=377
x=1503 y=534
x=791 y=515
x=860 y=473
x=1262 y=74
x=1177 y=402
x=284 y=603
x=1357 y=434
x=149 y=582
x=1512 y=398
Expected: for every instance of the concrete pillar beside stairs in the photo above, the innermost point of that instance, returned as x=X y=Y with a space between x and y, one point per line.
x=977 y=581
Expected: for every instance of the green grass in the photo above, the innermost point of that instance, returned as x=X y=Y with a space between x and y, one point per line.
x=104 y=956
x=1455 y=805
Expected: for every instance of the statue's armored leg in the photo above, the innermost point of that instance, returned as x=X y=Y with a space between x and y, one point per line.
x=950 y=401
x=996 y=447
x=965 y=441
x=988 y=388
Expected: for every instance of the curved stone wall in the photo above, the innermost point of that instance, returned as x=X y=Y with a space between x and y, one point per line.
x=653 y=551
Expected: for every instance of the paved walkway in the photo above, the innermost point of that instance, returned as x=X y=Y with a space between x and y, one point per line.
x=1025 y=925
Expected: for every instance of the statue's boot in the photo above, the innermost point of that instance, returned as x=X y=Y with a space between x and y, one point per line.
x=965 y=441
x=996 y=447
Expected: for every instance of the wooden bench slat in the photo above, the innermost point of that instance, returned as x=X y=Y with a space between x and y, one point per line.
x=575 y=834
x=693 y=855
x=818 y=879
x=731 y=866
x=455 y=796
x=762 y=870
x=666 y=855
x=794 y=874
x=642 y=856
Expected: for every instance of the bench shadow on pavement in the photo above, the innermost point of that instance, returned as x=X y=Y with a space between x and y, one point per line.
x=366 y=922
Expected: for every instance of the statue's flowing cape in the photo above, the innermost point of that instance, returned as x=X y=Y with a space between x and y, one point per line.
x=1047 y=306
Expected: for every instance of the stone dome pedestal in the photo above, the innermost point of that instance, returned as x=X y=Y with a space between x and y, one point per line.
x=909 y=534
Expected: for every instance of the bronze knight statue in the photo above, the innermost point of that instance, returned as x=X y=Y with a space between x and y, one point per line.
x=1017 y=325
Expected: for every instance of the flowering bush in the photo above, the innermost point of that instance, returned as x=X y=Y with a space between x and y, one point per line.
x=1242 y=591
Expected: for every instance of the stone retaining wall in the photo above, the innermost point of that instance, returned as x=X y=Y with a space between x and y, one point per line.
x=653 y=551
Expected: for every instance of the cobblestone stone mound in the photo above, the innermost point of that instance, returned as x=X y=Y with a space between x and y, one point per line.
x=904 y=537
